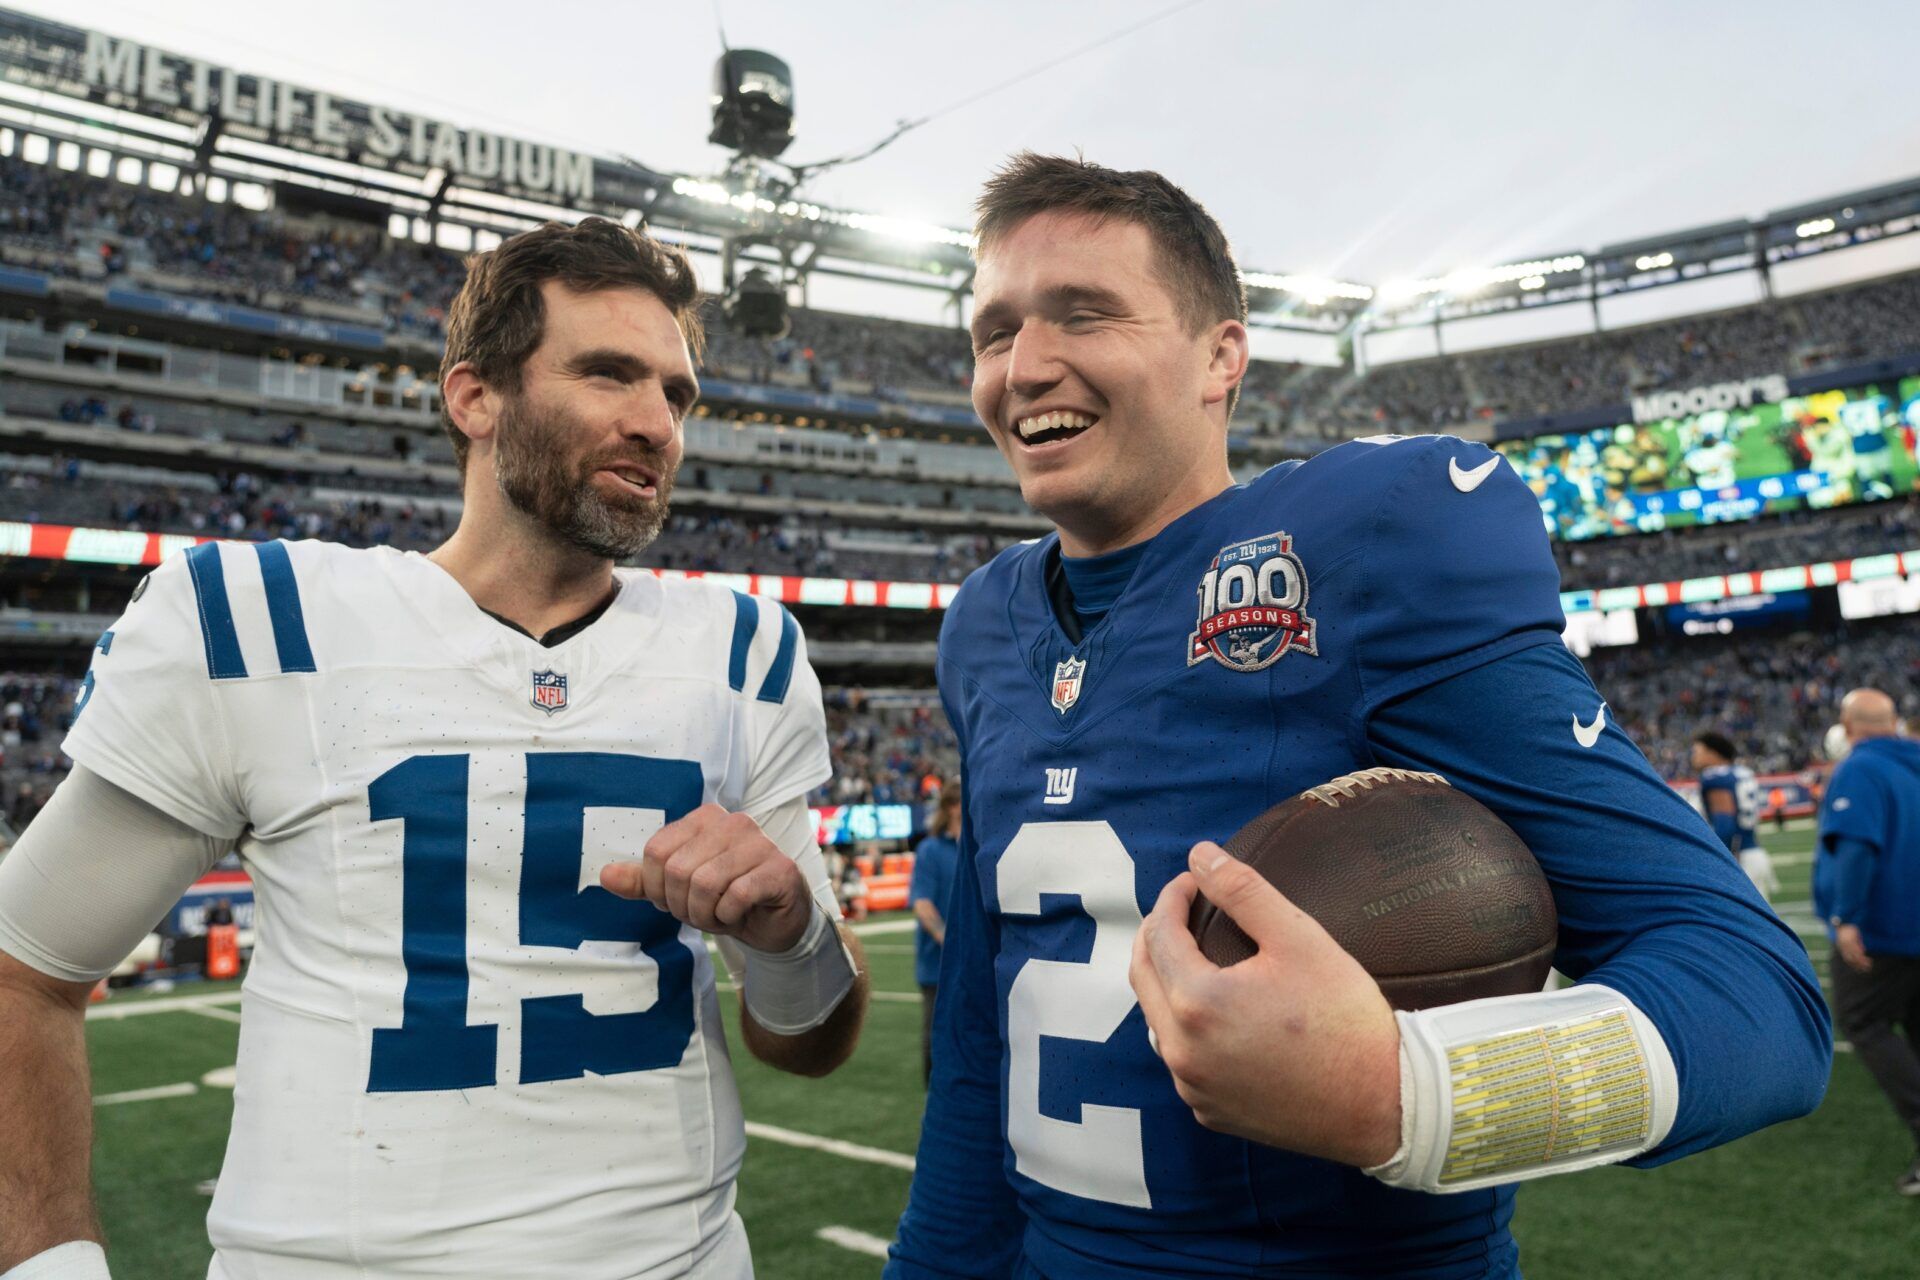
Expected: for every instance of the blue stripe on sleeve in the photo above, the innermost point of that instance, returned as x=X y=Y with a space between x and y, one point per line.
x=746 y=620
x=780 y=674
x=216 y=613
x=283 y=605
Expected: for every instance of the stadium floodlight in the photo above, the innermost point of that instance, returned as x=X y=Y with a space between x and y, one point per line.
x=1652 y=261
x=1471 y=280
x=1311 y=289
x=752 y=103
x=1815 y=227
x=900 y=228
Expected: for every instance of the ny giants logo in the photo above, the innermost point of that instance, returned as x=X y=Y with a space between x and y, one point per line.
x=1253 y=603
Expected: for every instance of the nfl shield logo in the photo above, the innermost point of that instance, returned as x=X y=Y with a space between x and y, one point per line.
x=549 y=691
x=1066 y=684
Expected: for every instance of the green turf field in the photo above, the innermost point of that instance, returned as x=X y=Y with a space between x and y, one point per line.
x=1809 y=1198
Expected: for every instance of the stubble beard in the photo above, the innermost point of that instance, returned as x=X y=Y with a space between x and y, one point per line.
x=540 y=477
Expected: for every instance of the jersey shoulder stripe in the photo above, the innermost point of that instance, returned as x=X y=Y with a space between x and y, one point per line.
x=283 y=607
x=780 y=674
x=247 y=598
x=217 y=631
x=746 y=620
x=757 y=650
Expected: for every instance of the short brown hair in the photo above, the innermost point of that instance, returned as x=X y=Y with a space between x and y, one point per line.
x=1195 y=261
x=498 y=319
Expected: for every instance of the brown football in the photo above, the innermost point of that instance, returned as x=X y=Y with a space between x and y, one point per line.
x=1433 y=895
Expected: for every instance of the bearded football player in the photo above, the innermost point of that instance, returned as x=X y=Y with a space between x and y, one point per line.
x=1186 y=652
x=490 y=798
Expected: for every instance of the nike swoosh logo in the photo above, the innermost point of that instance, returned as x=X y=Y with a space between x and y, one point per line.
x=1468 y=481
x=1588 y=734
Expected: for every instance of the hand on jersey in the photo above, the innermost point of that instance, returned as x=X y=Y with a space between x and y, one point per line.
x=1293 y=1048
x=718 y=872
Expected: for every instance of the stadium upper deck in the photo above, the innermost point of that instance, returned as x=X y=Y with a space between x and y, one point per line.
x=194 y=257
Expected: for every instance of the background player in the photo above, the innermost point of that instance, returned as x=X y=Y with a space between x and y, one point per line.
x=1730 y=799
x=1388 y=602
x=459 y=1056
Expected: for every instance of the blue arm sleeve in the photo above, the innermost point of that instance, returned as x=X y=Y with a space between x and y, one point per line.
x=1649 y=904
x=1851 y=877
x=962 y=1221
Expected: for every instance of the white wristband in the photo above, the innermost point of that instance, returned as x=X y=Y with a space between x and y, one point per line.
x=75 y=1260
x=1516 y=1087
x=796 y=990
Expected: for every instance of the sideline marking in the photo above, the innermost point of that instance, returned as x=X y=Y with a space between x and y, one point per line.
x=213 y=1011
x=181 y=1090
x=164 y=1004
x=858 y=1241
x=833 y=1146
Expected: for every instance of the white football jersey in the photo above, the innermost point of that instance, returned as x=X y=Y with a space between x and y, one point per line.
x=459 y=1056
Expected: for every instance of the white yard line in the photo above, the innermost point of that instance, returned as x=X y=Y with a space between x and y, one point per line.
x=165 y=1004
x=883 y=926
x=858 y=1241
x=832 y=1146
x=182 y=1090
x=214 y=1011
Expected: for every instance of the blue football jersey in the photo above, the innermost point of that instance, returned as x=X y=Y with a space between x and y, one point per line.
x=1390 y=602
x=1735 y=780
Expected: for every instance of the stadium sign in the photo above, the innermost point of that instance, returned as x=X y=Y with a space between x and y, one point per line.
x=1661 y=405
x=76 y=63
x=295 y=116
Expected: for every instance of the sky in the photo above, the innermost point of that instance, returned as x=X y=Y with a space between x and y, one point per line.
x=1371 y=140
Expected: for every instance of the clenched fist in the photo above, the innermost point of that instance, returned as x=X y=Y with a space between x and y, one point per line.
x=718 y=872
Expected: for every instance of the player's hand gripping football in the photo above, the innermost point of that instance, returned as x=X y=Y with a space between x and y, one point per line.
x=1294 y=1047
x=718 y=872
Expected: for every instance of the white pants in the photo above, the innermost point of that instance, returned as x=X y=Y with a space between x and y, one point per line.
x=726 y=1258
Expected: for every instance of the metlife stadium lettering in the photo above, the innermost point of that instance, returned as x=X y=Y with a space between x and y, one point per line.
x=1661 y=405
x=295 y=114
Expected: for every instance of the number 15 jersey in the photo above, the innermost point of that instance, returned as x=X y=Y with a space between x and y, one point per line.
x=459 y=1056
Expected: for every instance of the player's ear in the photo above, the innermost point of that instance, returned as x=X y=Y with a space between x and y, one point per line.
x=1227 y=360
x=470 y=402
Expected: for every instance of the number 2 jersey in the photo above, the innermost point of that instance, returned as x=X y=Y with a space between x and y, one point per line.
x=459 y=1056
x=1738 y=783
x=1390 y=602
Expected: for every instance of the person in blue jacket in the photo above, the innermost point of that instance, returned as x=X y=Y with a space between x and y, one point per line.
x=1866 y=886
x=933 y=862
x=1187 y=651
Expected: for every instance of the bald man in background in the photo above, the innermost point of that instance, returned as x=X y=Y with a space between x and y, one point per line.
x=1866 y=886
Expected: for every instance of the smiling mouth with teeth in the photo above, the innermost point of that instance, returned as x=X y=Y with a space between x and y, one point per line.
x=1046 y=428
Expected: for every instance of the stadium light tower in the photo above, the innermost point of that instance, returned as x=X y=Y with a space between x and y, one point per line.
x=753 y=118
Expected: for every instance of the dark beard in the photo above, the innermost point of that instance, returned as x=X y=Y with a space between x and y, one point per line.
x=537 y=474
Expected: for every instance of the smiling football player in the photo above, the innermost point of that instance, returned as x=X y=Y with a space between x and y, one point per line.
x=1183 y=654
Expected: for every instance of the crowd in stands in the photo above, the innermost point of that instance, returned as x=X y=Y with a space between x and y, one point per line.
x=57 y=220
x=826 y=350
x=892 y=751
x=35 y=711
x=243 y=506
x=1771 y=542
x=1792 y=335
x=1773 y=694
